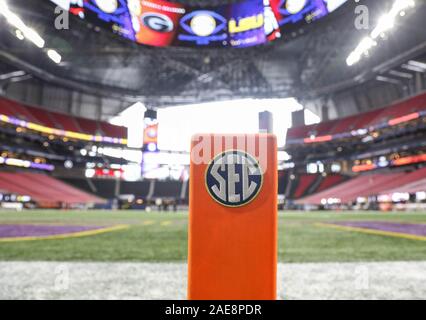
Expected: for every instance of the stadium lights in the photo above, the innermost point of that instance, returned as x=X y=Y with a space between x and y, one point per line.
x=420 y=196
x=19 y=35
x=25 y=32
x=54 y=56
x=417 y=64
x=330 y=201
x=365 y=45
x=25 y=164
x=386 y=23
x=16 y=22
x=132 y=118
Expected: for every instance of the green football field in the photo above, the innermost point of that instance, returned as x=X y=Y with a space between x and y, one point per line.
x=161 y=237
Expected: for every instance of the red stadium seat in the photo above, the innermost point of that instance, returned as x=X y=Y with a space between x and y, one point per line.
x=324 y=128
x=365 y=119
x=345 y=125
x=305 y=182
x=65 y=122
x=300 y=132
x=330 y=181
x=113 y=131
x=20 y=111
x=360 y=121
x=44 y=188
x=365 y=186
x=42 y=117
x=4 y=108
x=88 y=126
x=402 y=108
x=36 y=115
x=59 y=120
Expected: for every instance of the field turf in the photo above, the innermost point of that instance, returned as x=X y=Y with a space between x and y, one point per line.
x=162 y=237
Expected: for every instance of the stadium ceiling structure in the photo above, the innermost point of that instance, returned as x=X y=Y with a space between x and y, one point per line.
x=309 y=64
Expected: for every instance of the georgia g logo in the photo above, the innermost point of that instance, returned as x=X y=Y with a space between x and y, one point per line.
x=234 y=178
x=157 y=22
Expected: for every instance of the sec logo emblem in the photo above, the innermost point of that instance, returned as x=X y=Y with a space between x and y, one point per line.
x=234 y=178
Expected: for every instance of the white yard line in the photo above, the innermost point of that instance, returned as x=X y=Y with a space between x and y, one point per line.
x=77 y=280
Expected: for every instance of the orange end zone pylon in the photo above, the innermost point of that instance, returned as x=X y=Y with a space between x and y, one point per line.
x=233 y=218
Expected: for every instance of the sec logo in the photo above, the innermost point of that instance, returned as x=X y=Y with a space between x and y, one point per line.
x=234 y=178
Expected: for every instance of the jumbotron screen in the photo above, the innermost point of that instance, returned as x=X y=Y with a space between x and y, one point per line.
x=162 y=23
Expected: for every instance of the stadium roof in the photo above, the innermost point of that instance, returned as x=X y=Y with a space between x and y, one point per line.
x=308 y=64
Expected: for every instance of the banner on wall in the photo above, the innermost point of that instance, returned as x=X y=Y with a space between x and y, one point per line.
x=162 y=23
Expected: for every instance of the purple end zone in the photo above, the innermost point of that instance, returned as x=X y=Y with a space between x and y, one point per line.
x=406 y=228
x=29 y=230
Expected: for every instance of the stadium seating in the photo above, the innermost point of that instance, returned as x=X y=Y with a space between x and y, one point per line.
x=414 y=187
x=43 y=188
x=112 y=130
x=44 y=117
x=330 y=181
x=344 y=125
x=299 y=132
x=306 y=184
x=367 y=186
x=59 y=121
x=88 y=126
x=65 y=122
x=360 y=121
x=305 y=181
x=19 y=110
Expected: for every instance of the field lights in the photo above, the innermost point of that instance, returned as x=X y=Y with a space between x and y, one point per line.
x=364 y=46
x=54 y=56
x=16 y=22
x=25 y=32
x=26 y=164
x=386 y=23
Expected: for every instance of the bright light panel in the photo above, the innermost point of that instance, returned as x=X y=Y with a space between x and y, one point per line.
x=133 y=119
x=178 y=124
x=55 y=56
x=385 y=24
